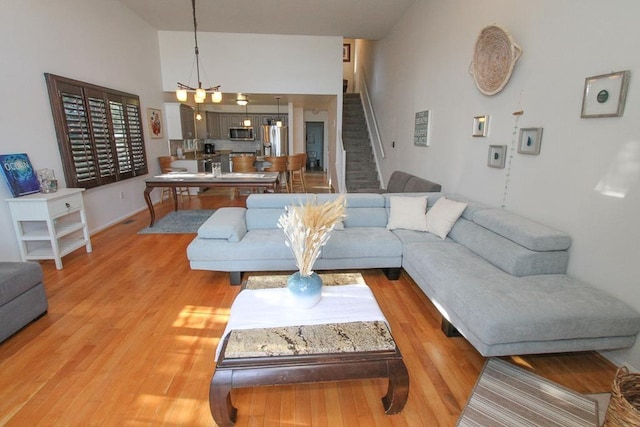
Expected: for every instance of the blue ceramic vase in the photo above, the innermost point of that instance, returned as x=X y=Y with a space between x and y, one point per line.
x=305 y=291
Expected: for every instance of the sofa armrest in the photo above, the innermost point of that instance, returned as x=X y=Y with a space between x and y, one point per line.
x=225 y=223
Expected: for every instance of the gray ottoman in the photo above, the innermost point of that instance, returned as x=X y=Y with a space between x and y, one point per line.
x=22 y=296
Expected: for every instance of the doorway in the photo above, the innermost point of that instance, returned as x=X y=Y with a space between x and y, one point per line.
x=315 y=145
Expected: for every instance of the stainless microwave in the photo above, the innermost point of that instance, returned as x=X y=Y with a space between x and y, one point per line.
x=241 y=134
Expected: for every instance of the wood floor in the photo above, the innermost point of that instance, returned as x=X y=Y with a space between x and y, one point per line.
x=131 y=331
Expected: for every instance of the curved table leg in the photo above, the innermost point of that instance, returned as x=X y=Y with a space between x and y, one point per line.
x=398 y=390
x=147 y=199
x=222 y=410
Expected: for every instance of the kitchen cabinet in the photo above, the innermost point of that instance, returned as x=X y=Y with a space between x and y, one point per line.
x=213 y=125
x=188 y=122
x=51 y=225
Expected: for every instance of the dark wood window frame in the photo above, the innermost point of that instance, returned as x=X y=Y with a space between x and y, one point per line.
x=99 y=132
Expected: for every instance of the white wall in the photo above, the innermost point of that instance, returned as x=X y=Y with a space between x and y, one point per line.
x=423 y=65
x=254 y=63
x=95 y=41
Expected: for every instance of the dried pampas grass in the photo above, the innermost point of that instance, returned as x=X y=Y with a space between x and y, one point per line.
x=308 y=227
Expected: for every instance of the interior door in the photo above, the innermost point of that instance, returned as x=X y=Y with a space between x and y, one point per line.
x=315 y=145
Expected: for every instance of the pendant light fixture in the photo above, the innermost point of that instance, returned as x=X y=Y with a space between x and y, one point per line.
x=278 y=121
x=200 y=93
x=242 y=99
x=247 y=121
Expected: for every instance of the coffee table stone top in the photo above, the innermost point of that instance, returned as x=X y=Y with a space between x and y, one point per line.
x=310 y=339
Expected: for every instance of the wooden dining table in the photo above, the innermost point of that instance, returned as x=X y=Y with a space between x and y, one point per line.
x=265 y=180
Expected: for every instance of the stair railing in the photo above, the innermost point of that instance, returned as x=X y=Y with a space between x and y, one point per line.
x=372 y=123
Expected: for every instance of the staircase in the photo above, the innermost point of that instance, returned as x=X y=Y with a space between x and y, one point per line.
x=360 y=169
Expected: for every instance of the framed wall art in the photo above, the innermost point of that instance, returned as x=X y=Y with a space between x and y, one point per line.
x=422 y=126
x=529 y=142
x=480 y=126
x=154 y=120
x=346 y=52
x=605 y=95
x=497 y=156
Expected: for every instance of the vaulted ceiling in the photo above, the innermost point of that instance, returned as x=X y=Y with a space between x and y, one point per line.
x=365 y=19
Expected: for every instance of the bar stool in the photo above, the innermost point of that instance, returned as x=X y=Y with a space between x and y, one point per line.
x=165 y=167
x=294 y=168
x=278 y=164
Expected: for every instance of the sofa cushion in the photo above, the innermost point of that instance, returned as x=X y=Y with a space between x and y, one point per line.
x=256 y=244
x=523 y=231
x=408 y=213
x=225 y=223
x=362 y=242
x=443 y=215
x=17 y=278
x=506 y=254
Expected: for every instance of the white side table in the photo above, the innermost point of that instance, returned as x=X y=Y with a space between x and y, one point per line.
x=51 y=225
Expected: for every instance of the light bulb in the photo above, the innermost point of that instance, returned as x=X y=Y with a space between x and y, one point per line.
x=216 y=96
x=198 y=116
x=181 y=94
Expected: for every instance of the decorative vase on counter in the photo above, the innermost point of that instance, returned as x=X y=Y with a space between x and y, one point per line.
x=305 y=291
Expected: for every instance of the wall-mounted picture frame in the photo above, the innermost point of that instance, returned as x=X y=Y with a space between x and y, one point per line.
x=346 y=52
x=497 y=156
x=154 y=120
x=605 y=95
x=422 y=128
x=529 y=142
x=480 y=126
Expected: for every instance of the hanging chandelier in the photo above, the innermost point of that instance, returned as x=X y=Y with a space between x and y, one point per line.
x=247 y=120
x=200 y=93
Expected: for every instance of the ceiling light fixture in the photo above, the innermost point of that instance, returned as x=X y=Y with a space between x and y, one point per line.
x=200 y=93
x=241 y=99
x=278 y=121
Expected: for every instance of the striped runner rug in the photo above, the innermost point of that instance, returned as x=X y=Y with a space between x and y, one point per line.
x=506 y=395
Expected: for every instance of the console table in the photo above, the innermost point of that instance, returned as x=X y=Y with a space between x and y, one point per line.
x=266 y=180
x=276 y=355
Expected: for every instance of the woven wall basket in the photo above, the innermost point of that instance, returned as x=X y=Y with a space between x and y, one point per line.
x=494 y=57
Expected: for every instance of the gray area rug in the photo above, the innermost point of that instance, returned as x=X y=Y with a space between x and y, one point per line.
x=179 y=222
x=506 y=395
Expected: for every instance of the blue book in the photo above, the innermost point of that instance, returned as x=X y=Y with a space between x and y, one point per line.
x=19 y=173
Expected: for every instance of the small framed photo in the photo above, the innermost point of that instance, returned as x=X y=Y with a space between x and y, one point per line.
x=346 y=52
x=605 y=95
x=529 y=142
x=154 y=120
x=497 y=156
x=480 y=126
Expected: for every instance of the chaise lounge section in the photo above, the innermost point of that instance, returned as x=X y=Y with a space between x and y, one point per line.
x=497 y=278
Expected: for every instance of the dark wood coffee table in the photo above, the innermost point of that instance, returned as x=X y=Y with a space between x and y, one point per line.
x=331 y=352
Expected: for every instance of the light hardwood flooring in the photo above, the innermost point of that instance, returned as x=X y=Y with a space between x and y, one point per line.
x=131 y=332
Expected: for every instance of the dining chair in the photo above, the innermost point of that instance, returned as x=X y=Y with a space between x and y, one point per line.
x=166 y=167
x=243 y=163
x=294 y=169
x=278 y=164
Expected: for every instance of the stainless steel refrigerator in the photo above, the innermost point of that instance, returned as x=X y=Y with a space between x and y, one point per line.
x=276 y=142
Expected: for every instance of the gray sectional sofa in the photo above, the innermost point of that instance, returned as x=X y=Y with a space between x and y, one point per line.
x=22 y=296
x=498 y=278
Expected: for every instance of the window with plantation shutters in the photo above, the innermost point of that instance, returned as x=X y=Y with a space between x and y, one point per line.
x=99 y=132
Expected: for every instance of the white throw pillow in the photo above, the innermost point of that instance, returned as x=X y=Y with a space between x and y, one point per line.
x=443 y=215
x=408 y=213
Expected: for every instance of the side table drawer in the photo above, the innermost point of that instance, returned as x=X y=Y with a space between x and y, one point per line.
x=65 y=205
